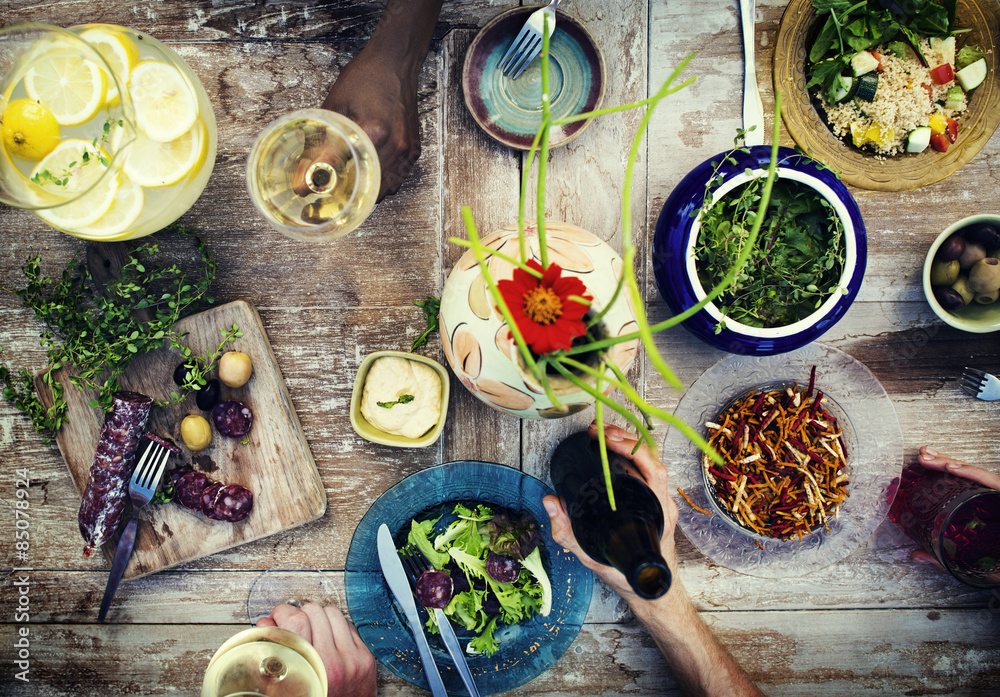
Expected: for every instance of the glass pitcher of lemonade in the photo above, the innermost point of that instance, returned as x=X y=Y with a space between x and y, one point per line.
x=106 y=133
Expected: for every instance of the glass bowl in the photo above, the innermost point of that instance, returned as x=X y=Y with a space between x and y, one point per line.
x=875 y=454
x=677 y=232
x=526 y=649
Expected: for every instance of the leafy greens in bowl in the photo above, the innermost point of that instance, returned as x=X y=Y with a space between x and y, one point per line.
x=802 y=277
x=524 y=649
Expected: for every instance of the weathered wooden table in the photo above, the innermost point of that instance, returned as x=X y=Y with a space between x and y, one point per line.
x=874 y=623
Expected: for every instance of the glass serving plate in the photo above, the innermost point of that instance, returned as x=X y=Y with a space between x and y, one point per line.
x=528 y=648
x=875 y=456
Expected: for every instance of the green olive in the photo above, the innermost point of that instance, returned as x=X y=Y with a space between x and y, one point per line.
x=961 y=286
x=196 y=432
x=984 y=276
x=988 y=298
x=235 y=368
x=944 y=273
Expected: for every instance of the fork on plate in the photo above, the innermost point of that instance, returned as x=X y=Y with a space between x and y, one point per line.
x=528 y=42
x=982 y=385
x=416 y=564
x=142 y=486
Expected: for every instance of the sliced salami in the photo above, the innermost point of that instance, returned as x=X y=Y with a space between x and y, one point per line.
x=177 y=472
x=165 y=442
x=434 y=589
x=232 y=419
x=208 y=499
x=107 y=487
x=189 y=488
x=233 y=503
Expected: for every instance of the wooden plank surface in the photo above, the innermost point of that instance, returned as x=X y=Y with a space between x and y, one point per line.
x=274 y=462
x=875 y=623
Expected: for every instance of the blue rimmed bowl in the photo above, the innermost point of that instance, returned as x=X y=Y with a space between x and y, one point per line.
x=676 y=235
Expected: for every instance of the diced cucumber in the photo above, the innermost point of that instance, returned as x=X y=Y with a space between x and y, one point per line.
x=846 y=91
x=971 y=76
x=955 y=98
x=867 y=86
x=863 y=62
x=945 y=49
x=919 y=139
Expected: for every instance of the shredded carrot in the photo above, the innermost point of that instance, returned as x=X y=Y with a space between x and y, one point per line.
x=785 y=465
x=697 y=508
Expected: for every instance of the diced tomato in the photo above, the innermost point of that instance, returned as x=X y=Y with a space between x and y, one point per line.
x=943 y=74
x=952 y=130
x=929 y=91
x=940 y=142
x=878 y=56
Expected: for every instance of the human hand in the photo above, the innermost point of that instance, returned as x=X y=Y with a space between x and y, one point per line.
x=932 y=459
x=382 y=100
x=350 y=666
x=654 y=473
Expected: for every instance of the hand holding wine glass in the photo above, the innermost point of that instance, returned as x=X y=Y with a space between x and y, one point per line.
x=350 y=666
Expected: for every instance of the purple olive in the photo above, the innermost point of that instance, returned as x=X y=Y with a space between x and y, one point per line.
x=502 y=568
x=434 y=589
x=491 y=606
x=982 y=233
x=951 y=249
x=949 y=298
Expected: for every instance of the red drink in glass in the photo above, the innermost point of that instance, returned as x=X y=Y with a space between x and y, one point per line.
x=954 y=519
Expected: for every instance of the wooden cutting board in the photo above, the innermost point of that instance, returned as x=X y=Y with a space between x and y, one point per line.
x=276 y=464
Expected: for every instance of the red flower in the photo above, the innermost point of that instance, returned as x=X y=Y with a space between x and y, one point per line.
x=542 y=308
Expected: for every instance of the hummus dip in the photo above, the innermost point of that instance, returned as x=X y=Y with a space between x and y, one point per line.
x=388 y=379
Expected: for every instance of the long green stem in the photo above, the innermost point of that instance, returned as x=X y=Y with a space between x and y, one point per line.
x=522 y=199
x=603 y=443
x=543 y=157
x=613 y=109
x=499 y=255
x=655 y=357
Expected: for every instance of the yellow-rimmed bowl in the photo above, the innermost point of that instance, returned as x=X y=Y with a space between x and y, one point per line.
x=371 y=433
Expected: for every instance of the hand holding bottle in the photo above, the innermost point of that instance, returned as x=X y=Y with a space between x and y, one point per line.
x=650 y=470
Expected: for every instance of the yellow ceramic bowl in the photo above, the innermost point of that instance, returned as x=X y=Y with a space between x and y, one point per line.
x=376 y=435
x=975 y=318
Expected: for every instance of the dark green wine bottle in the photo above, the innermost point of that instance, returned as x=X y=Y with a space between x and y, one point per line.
x=627 y=538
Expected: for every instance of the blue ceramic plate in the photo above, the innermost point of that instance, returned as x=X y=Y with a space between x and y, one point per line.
x=675 y=236
x=511 y=110
x=526 y=649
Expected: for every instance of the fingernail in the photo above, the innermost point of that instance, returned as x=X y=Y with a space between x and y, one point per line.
x=930 y=452
x=614 y=435
x=954 y=465
x=550 y=506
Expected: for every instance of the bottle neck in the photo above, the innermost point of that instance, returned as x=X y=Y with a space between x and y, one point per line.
x=634 y=549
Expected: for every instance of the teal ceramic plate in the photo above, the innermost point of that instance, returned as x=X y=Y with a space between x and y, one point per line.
x=510 y=110
x=527 y=649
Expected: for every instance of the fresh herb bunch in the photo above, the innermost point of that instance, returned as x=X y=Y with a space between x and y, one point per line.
x=852 y=26
x=96 y=334
x=795 y=267
x=198 y=367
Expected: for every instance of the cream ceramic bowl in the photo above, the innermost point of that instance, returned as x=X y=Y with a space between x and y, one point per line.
x=975 y=318
x=376 y=435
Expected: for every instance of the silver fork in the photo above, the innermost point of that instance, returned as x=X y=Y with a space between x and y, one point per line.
x=528 y=42
x=142 y=486
x=416 y=564
x=980 y=384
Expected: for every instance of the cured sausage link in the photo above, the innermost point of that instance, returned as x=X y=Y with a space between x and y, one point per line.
x=107 y=487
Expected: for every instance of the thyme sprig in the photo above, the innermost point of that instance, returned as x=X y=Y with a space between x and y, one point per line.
x=96 y=334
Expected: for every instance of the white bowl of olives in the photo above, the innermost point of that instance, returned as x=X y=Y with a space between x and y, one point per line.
x=962 y=274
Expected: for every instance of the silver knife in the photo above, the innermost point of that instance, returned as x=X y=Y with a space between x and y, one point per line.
x=395 y=577
x=455 y=651
x=753 y=109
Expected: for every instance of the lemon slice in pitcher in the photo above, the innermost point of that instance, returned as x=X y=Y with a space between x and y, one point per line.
x=122 y=215
x=73 y=88
x=151 y=163
x=118 y=50
x=74 y=166
x=165 y=103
